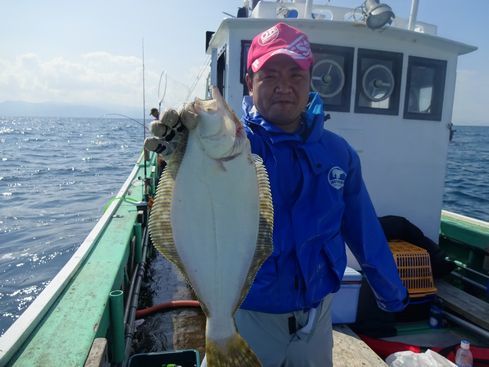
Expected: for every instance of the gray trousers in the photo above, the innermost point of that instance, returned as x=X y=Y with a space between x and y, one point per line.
x=269 y=336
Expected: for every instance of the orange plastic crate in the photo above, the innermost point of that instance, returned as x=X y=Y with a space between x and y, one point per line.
x=414 y=267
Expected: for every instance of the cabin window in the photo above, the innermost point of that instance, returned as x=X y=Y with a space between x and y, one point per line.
x=221 y=71
x=425 y=88
x=245 y=46
x=220 y=75
x=331 y=76
x=378 y=82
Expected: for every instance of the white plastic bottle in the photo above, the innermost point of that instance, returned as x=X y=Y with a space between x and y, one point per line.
x=464 y=358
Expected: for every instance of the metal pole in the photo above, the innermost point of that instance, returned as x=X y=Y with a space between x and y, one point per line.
x=308 y=9
x=468 y=280
x=465 y=267
x=413 y=15
x=474 y=328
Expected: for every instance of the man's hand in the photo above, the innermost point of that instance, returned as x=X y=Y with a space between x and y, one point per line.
x=167 y=134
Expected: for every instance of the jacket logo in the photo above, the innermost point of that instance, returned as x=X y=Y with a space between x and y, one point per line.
x=336 y=177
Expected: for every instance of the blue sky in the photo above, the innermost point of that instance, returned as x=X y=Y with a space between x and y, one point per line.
x=89 y=52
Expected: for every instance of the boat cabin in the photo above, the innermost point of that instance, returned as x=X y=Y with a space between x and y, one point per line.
x=389 y=92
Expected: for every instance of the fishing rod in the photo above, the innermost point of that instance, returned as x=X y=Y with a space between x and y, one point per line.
x=146 y=181
x=127 y=117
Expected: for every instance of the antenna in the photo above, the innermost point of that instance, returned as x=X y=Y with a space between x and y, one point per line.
x=413 y=14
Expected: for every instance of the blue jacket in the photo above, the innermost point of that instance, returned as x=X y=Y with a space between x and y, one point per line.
x=320 y=202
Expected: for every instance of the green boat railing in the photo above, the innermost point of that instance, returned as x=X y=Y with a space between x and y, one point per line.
x=466 y=242
x=60 y=326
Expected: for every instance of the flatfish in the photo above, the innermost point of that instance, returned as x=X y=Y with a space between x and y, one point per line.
x=213 y=218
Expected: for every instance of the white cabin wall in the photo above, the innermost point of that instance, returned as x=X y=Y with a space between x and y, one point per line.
x=403 y=161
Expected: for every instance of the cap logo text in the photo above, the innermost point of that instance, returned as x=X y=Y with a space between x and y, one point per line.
x=268 y=36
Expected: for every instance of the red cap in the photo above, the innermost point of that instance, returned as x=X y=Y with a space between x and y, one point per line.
x=280 y=39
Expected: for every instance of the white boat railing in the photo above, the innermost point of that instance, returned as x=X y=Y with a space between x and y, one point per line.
x=464 y=218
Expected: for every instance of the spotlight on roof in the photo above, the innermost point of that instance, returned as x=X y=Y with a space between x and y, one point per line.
x=377 y=15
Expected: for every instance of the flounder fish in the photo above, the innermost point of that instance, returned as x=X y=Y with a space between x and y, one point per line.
x=213 y=218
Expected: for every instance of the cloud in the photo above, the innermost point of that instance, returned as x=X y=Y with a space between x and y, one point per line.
x=86 y=80
x=94 y=78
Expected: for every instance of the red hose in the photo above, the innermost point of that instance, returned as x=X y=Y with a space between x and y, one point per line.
x=166 y=306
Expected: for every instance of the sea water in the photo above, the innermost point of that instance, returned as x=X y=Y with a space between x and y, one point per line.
x=56 y=175
x=467 y=178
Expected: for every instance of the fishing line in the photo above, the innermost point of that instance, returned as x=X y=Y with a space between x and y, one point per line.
x=162 y=98
x=203 y=69
x=127 y=117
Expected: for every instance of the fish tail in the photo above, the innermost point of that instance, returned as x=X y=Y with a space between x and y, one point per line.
x=231 y=352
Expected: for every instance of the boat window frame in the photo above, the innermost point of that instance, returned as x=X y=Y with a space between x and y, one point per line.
x=245 y=47
x=221 y=70
x=335 y=52
x=439 y=67
x=394 y=62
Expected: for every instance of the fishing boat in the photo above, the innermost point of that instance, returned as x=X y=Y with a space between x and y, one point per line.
x=388 y=85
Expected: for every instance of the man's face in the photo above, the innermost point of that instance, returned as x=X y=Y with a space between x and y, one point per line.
x=280 y=91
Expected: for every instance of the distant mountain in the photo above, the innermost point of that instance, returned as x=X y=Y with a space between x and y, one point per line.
x=53 y=109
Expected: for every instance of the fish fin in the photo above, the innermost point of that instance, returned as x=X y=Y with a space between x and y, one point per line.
x=160 y=216
x=160 y=228
x=264 y=243
x=231 y=352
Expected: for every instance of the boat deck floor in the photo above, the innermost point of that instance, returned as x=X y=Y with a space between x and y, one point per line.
x=425 y=339
x=470 y=307
x=184 y=329
x=350 y=351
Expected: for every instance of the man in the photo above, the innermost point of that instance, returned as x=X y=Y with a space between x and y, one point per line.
x=320 y=202
x=155 y=114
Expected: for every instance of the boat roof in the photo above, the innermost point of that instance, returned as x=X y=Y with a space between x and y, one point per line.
x=394 y=33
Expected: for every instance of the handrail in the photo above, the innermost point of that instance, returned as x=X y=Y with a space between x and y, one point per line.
x=478 y=222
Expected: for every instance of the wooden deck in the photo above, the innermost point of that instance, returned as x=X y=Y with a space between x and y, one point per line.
x=350 y=351
x=470 y=307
